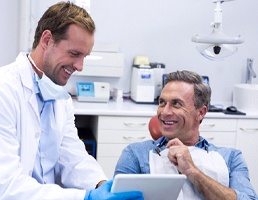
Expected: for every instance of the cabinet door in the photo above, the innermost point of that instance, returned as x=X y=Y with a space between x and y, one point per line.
x=220 y=132
x=108 y=155
x=247 y=137
x=108 y=165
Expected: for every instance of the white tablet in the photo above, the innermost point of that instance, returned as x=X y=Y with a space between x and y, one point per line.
x=153 y=186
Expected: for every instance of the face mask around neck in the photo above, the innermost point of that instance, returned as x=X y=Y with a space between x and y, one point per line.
x=48 y=89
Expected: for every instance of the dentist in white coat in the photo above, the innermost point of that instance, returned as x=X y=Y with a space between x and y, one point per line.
x=41 y=156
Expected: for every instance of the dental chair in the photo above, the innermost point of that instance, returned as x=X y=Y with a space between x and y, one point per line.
x=154 y=128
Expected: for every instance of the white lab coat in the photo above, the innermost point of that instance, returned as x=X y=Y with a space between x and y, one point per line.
x=19 y=138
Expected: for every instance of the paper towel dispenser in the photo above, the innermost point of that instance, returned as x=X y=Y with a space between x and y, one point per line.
x=103 y=64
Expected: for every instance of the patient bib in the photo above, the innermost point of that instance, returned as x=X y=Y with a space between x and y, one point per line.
x=212 y=164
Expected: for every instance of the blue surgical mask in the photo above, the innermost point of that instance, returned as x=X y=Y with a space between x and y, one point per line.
x=48 y=89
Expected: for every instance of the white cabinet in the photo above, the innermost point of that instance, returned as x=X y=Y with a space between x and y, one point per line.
x=220 y=132
x=247 y=138
x=114 y=134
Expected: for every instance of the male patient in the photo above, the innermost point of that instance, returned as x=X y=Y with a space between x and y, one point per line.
x=212 y=172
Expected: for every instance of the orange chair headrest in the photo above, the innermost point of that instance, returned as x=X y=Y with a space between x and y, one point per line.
x=154 y=127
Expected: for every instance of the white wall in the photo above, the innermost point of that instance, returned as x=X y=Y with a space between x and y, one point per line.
x=163 y=29
x=9 y=34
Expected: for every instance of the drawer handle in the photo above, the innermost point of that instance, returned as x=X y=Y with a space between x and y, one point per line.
x=134 y=138
x=207 y=125
x=210 y=138
x=249 y=129
x=135 y=125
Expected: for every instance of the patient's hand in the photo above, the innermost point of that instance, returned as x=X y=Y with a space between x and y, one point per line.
x=180 y=156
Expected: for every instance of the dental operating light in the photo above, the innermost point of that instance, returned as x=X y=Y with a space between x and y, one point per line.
x=217 y=45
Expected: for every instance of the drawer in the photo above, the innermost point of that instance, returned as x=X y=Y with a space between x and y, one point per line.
x=247 y=125
x=122 y=136
x=110 y=150
x=123 y=123
x=218 y=125
x=224 y=139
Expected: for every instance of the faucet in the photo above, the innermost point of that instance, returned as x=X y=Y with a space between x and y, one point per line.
x=250 y=72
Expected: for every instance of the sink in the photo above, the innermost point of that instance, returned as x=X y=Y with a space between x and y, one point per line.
x=245 y=98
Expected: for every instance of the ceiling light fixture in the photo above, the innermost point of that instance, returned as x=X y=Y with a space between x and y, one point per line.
x=217 y=45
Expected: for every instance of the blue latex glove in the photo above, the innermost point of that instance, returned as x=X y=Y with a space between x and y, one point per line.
x=103 y=192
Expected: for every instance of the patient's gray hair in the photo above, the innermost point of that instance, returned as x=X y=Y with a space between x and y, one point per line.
x=202 y=91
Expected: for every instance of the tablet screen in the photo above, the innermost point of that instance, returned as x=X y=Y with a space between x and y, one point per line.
x=153 y=186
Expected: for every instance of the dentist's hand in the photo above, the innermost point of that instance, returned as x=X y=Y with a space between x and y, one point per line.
x=103 y=192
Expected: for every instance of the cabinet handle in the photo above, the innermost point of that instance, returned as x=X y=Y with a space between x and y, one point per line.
x=249 y=129
x=210 y=138
x=207 y=125
x=134 y=138
x=135 y=125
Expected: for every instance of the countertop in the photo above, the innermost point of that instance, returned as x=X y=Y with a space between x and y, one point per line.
x=129 y=108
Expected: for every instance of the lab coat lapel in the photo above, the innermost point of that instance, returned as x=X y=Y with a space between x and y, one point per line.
x=30 y=116
x=27 y=81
